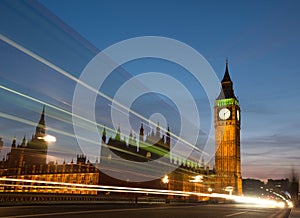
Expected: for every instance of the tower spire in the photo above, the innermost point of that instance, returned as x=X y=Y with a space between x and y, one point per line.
x=23 y=142
x=118 y=134
x=227 y=85
x=168 y=138
x=141 y=133
x=226 y=77
x=14 y=143
x=41 y=127
x=104 y=135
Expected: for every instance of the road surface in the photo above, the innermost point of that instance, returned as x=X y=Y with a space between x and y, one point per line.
x=144 y=211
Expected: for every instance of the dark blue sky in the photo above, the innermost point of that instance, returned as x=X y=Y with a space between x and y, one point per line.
x=260 y=38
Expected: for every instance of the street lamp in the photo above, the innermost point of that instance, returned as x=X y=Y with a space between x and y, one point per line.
x=198 y=178
x=165 y=180
x=229 y=189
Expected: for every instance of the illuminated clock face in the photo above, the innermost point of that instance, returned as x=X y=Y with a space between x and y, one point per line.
x=238 y=115
x=224 y=113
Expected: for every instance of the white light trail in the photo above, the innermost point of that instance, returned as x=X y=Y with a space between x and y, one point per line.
x=48 y=138
x=239 y=199
x=68 y=75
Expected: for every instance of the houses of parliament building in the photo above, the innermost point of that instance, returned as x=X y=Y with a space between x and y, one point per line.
x=27 y=160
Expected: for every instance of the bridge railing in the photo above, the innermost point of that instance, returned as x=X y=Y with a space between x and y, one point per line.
x=10 y=199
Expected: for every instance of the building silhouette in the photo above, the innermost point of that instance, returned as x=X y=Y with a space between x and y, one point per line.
x=153 y=147
x=253 y=187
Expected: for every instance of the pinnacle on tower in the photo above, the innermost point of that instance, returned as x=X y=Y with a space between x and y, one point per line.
x=104 y=135
x=227 y=85
x=226 y=77
x=168 y=138
x=141 y=138
x=14 y=143
x=41 y=127
x=118 y=135
x=23 y=142
x=142 y=130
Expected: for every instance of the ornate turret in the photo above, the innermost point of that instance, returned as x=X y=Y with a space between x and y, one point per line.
x=23 y=142
x=141 y=133
x=36 y=154
x=168 y=138
x=118 y=135
x=41 y=127
x=104 y=135
x=14 y=143
x=81 y=159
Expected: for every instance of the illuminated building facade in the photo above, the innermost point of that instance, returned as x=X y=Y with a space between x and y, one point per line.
x=28 y=162
x=34 y=153
x=189 y=176
x=55 y=174
x=227 y=138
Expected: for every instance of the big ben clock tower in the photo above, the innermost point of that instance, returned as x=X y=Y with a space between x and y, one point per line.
x=227 y=139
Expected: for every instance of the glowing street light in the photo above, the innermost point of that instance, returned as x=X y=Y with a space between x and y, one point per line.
x=165 y=180
x=198 y=178
x=229 y=189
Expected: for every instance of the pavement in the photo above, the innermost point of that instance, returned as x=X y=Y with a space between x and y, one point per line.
x=295 y=213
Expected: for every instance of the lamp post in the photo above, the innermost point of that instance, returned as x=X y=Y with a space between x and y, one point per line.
x=165 y=180
x=229 y=189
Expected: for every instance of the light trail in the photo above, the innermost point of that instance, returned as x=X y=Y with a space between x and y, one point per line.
x=119 y=160
x=68 y=75
x=89 y=189
x=100 y=187
x=240 y=199
x=65 y=73
x=146 y=146
x=21 y=120
x=53 y=107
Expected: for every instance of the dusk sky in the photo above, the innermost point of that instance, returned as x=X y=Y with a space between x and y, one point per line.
x=260 y=39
